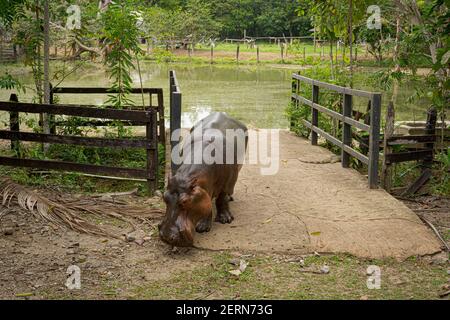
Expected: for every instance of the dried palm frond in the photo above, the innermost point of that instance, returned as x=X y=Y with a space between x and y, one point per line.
x=64 y=211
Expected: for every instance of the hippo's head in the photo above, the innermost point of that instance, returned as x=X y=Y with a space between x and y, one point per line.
x=187 y=203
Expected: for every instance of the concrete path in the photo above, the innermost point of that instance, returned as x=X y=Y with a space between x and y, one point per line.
x=317 y=207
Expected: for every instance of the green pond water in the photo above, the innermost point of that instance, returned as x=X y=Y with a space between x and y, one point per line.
x=255 y=95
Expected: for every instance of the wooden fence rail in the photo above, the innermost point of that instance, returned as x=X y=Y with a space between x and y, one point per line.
x=346 y=118
x=151 y=118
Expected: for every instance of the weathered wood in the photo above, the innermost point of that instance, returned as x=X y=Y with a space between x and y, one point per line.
x=347 y=130
x=430 y=130
x=386 y=172
x=408 y=156
x=237 y=53
x=411 y=139
x=71 y=166
x=257 y=54
x=76 y=110
x=152 y=154
x=14 y=125
x=419 y=183
x=73 y=140
x=161 y=119
x=315 y=114
x=98 y=90
x=339 y=89
x=332 y=113
x=374 y=140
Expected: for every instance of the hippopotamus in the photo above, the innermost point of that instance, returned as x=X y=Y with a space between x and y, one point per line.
x=196 y=184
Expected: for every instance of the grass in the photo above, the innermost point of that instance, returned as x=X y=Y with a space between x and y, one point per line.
x=269 y=278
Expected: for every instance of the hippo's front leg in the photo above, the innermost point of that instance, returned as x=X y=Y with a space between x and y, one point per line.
x=223 y=209
x=204 y=225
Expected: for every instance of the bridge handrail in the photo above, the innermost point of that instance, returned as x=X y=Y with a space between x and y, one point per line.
x=346 y=118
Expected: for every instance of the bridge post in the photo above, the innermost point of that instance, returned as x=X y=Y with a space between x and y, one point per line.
x=347 y=130
x=374 y=140
x=315 y=115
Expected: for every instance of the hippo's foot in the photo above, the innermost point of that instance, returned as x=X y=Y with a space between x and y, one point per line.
x=224 y=217
x=204 y=225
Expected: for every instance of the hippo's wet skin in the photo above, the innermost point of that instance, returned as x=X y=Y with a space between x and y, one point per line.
x=191 y=191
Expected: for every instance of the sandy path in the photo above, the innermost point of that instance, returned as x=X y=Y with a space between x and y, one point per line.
x=318 y=207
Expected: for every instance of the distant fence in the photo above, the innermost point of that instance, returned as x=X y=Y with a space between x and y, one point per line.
x=346 y=118
x=152 y=118
x=175 y=111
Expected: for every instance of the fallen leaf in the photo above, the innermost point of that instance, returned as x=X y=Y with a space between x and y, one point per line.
x=318 y=233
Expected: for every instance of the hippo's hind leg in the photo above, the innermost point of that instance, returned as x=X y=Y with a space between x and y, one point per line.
x=223 y=209
x=204 y=225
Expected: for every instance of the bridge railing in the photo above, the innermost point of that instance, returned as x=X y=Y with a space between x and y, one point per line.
x=372 y=160
x=175 y=110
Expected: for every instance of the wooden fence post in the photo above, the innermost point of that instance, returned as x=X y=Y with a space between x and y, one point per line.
x=14 y=125
x=152 y=151
x=282 y=53
x=347 y=130
x=315 y=115
x=257 y=54
x=161 y=120
x=212 y=54
x=237 y=53
x=374 y=140
x=304 y=53
x=430 y=130
x=386 y=172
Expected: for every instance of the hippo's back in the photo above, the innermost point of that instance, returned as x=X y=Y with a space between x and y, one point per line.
x=220 y=121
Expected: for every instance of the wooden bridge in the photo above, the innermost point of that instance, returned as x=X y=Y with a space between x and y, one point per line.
x=316 y=205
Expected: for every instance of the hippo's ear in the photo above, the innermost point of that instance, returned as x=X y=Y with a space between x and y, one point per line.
x=201 y=199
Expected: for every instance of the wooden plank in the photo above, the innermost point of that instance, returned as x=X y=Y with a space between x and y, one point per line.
x=347 y=131
x=374 y=140
x=386 y=171
x=315 y=114
x=14 y=124
x=356 y=154
x=77 y=110
x=332 y=113
x=336 y=88
x=82 y=141
x=70 y=166
x=410 y=139
x=152 y=154
x=99 y=90
x=357 y=124
x=419 y=183
x=408 y=156
x=324 y=134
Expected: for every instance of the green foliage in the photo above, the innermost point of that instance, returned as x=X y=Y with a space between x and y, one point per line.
x=8 y=82
x=120 y=34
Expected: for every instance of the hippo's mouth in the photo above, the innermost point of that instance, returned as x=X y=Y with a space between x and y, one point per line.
x=182 y=238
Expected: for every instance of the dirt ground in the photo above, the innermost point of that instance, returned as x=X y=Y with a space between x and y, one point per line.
x=34 y=258
x=285 y=257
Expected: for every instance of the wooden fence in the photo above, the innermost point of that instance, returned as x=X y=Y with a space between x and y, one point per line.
x=348 y=122
x=152 y=118
x=175 y=111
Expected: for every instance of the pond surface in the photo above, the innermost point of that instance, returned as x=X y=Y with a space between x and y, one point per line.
x=255 y=95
